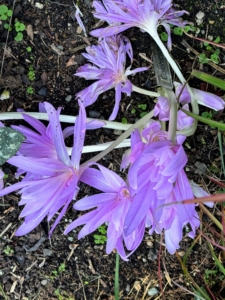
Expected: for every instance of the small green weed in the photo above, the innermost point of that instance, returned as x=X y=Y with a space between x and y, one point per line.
x=5 y=13
x=30 y=90
x=124 y=121
x=56 y=273
x=19 y=27
x=212 y=277
x=101 y=238
x=8 y=251
x=210 y=53
x=29 y=49
x=62 y=295
x=177 y=31
x=31 y=74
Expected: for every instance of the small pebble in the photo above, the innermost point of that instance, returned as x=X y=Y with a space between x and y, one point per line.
x=68 y=98
x=47 y=252
x=70 y=238
x=39 y=5
x=25 y=79
x=44 y=281
x=153 y=291
x=127 y=289
x=79 y=30
x=60 y=47
x=43 y=91
x=210 y=37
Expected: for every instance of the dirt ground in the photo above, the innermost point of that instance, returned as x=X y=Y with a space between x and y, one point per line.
x=34 y=267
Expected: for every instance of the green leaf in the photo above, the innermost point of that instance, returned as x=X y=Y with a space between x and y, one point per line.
x=209 y=79
x=3 y=9
x=178 y=31
x=217 y=40
x=142 y=106
x=164 y=36
x=9 y=13
x=214 y=57
x=19 y=37
x=10 y=141
x=6 y=26
x=124 y=121
x=219 y=125
x=202 y=58
x=4 y=17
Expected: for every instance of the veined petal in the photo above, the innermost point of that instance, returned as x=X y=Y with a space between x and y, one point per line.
x=57 y=134
x=94 y=201
x=79 y=136
x=208 y=99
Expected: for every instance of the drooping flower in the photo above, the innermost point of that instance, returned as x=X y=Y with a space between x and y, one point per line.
x=107 y=65
x=159 y=184
x=111 y=207
x=204 y=98
x=52 y=182
x=145 y=14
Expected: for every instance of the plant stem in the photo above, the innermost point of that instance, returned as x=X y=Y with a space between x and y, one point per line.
x=174 y=66
x=116 y=281
x=96 y=148
x=208 y=213
x=173 y=116
x=123 y=136
x=62 y=118
x=144 y=92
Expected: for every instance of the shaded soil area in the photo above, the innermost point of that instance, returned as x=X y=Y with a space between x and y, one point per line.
x=40 y=68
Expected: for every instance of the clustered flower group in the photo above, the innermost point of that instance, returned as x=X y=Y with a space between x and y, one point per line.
x=151 y=196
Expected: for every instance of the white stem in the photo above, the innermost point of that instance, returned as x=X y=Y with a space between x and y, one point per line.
x=101 y=147
x=144 y=92
x=173 y=116
x=174 y=66
x=62 y=118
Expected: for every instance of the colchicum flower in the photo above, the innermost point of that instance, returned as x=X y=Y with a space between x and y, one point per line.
x=145 y=14
x=108 y=61
x=51 y=182
x=111 y=207
x=159 y=186
x=203 y=98
x=162 y=107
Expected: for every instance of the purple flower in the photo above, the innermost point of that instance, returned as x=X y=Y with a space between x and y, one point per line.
x=51 y=182
x=183 y=120
x=145 y=14
x=159 y=184
x=111 y=207
x=108 y=61
x=204 y=98
x=162 y=108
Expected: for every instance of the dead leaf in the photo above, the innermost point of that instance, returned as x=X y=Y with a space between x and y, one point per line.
x=71 y=62
x=57 y=50
x=30 y=31
x=44 y=77
x=11 y=208
x=137 y=285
